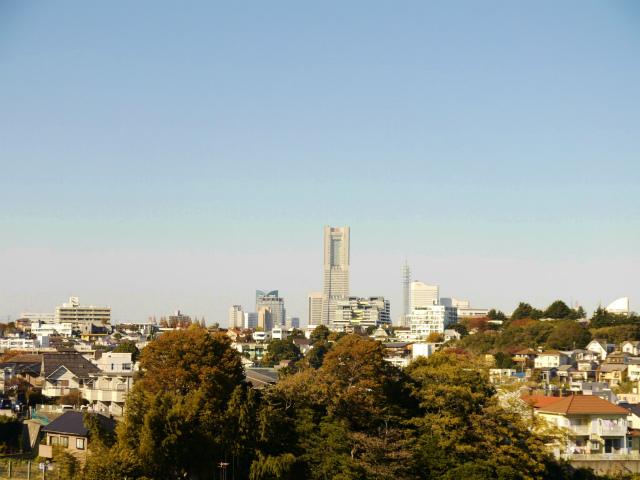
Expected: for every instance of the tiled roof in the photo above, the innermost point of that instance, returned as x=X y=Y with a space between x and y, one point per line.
x=26 y=358
x=583 y=404
x=539 y=401
x=74 y=362
x=73 y=424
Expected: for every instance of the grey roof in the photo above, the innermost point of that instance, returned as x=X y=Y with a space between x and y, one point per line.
x=22 y=367
x=74 y=362
x=73 y=424
x=612 y=367
x=261 y=377
x=632 y=407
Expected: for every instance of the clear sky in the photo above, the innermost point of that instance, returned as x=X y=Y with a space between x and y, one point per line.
x=161 y=155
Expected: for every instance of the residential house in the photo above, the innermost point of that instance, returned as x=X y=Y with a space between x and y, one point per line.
x=64 y=373
x=551 y=359
x=24 y=367
x=398 y=353
x=304 y=344
x=525 y=358
x=107 y=392
x=69 y=432
x=612 y=373
x=568 y=373
x=601 y=348
x=113 y=362
x=631 y=347
x=451 y=334
x=587 y=369
x=633 y=369
x=594 y=425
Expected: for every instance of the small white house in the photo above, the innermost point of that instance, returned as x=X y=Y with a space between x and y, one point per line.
x=601 y=348
x=551 y=359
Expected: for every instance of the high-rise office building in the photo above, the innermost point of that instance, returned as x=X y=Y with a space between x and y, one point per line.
x=293 y=322
x=76 y=314
x=406 y=295
x=250 y=319
x=274 y=303
x=315 y=308
x=265 y=319
x=423 y=295
x=336 y=270
x=236 y=316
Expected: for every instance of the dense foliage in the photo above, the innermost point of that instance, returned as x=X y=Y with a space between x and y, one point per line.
x=346 y=414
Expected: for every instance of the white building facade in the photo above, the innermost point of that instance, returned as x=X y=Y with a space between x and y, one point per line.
x=426 y=320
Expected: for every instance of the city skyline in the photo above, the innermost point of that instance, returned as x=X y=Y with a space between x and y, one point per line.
x=194 y=156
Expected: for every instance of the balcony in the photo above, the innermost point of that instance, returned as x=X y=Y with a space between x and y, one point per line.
x=50 y=391
x=104 y=395
x=580 y=429
x=611 y=431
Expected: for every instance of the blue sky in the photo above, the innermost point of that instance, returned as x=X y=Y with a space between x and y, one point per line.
x=158 y=156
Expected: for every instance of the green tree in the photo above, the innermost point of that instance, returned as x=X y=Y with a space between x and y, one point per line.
x=321 y=332
x=503 y=360
x=315 y=356
x=524 y=310
x=568 y=335
x=128 y=346
x=494 y=314
x=279 y=350
x=558 y=310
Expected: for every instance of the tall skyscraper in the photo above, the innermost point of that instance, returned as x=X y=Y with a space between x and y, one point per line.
x=265 y=319
x=274 y=303
x=315 y=308
x=336 y=270
x=406 y=294
x=423 y=295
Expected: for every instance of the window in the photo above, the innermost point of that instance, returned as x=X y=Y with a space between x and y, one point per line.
x=54 y=440
x=64 y=441
x=80 y=443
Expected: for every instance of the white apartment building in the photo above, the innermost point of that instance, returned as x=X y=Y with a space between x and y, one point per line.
x=39 y=317
x=423 y=295
x=361 y=312
x=430 y=319
x=62 y=329
x=76 y=314
x=18 y=343
x=335 y=270
x=236 y=316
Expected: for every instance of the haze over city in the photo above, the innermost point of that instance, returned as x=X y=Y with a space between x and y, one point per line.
x=158 y=157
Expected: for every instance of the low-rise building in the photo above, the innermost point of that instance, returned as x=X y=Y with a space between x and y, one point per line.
x=551 y=359
x=69 y=432
x=594 y=426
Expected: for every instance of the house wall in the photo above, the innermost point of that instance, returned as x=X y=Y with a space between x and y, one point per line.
x=72 y=442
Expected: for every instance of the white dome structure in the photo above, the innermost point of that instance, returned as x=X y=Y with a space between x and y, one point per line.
x=620 y=306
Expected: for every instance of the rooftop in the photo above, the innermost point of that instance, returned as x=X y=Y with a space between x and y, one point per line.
x=583 y=405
